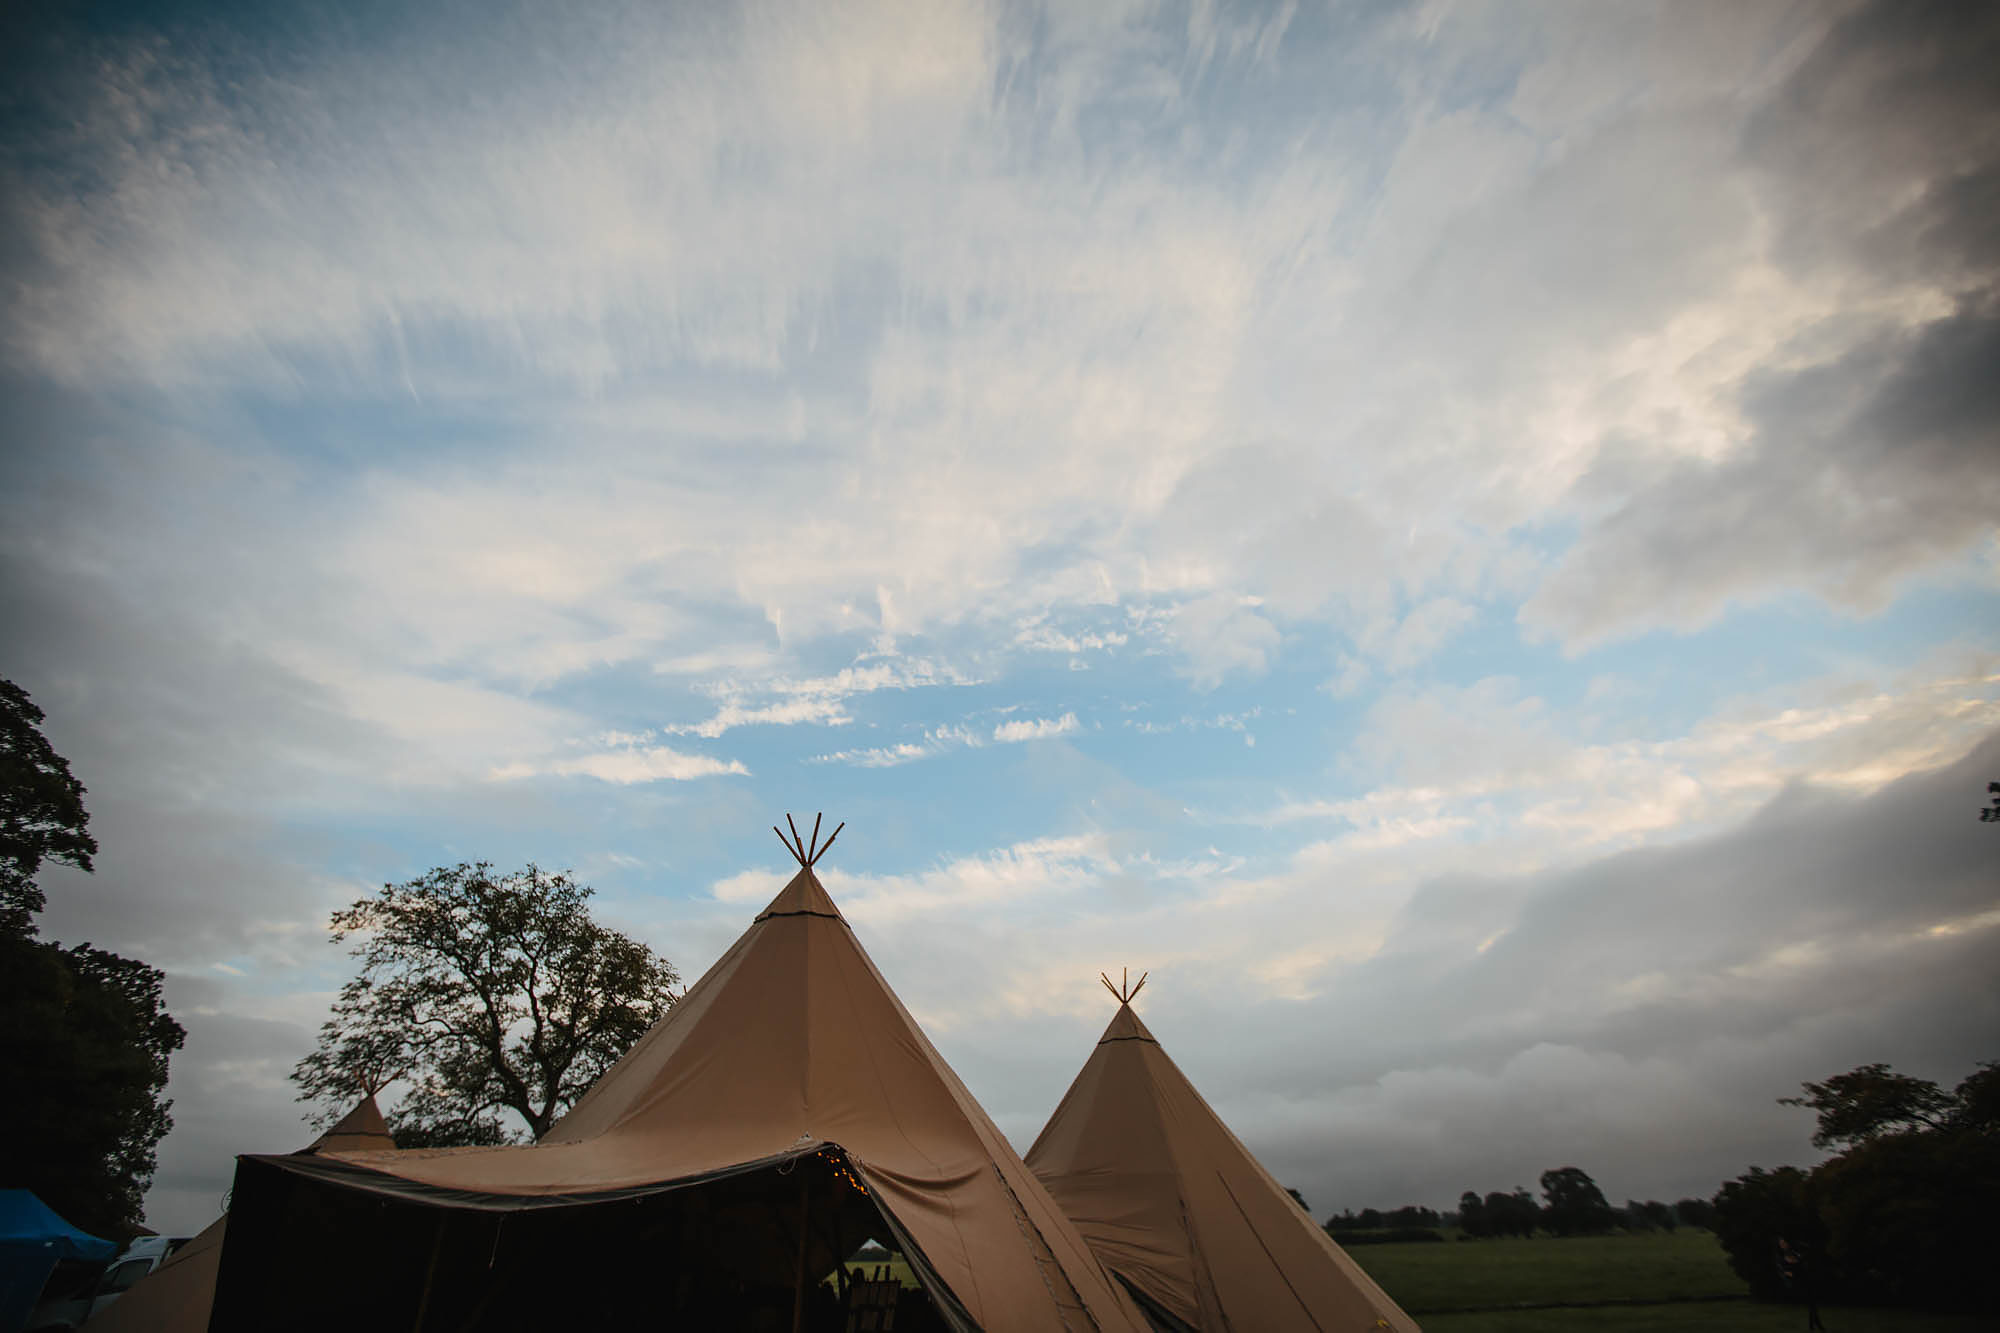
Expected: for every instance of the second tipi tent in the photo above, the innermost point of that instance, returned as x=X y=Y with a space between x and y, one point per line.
x=1177 y=1208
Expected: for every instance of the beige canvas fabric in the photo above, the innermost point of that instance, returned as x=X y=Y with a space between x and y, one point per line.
x=178 y=1296
x=360 y=1130
x=1174 y=1203
x=792 y=1039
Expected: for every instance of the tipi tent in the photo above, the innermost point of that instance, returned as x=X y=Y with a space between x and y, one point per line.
x=1178 y=1209
x=179 y=1295
x=785 y=1110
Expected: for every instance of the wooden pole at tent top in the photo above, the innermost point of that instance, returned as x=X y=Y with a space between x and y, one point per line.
x=807 y=852
x=1120 y=991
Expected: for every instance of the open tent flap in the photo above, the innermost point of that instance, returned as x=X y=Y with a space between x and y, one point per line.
x=319 y=1243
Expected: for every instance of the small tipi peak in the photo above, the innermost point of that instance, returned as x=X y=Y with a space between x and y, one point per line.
x=361 y=1130
x=804 y=895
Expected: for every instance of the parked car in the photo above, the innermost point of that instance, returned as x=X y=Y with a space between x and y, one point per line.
x=71 y=1297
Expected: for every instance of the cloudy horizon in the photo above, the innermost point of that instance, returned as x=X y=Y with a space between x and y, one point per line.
x=1463 y=539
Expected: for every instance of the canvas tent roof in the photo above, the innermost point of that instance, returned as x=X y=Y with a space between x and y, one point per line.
x=1175 y=1205
x=791 y=1049
x=179 y=1295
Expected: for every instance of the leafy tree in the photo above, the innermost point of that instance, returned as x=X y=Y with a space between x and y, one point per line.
x=84 y=1038
x=488 y=994
x=1871 y=1100
x=1652 y=1215
x=1298 y=1199
x=1513 y=1214
x=1990 y=813
x=1753 y=1212
x=1695 y=1213
x=1909 y=1217
x=1472 y=1219
x=84 y=1043
x=1977 y=1100
x=41 y=811
x=1576 y=1207
x=1903 y=1214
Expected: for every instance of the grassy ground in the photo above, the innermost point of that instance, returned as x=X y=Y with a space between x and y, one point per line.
x=1707 y=1317
x=1478 y=1287
x=1684 y=1265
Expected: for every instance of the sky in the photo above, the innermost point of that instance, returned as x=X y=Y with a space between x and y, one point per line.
x=1458 y=538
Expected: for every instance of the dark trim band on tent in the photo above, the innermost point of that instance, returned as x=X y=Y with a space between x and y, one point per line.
x=354 y=1175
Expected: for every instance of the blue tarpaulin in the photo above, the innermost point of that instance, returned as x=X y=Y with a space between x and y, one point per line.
x=32 y=1239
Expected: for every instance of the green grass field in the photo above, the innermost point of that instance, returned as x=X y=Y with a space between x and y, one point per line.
x=1591 y=1282
x=1708 y=1317
x=1684 y=1265
x=1480 y=1287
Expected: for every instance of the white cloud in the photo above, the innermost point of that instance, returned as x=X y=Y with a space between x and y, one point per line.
x=939 y=740
x=629 y=764
x=1489 y=760
x=1219 y=636
x=817 y=699
x=1035 y=729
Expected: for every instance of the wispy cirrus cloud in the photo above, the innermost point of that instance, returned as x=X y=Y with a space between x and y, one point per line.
x=939 y=740
x=628 y=764
x=819 y=700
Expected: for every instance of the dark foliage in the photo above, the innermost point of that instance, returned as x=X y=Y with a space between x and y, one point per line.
x=1695 y=1213
x=1754 y=1211
x=84 y=1040
x=1869 y=1100
x=1514 y=1214
x=41 y=811
x=1904 y=1215
x=84 y=1043
x=1472 y=1214
x=1409 y=1216
x=1909 y=1218
x=1651 y=1215
x=1385 y=1236
x=1576 y=1207
x=489 y=994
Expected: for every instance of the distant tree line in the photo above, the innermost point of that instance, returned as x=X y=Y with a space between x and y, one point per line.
x=1571 y=1205
x=1901 y=1215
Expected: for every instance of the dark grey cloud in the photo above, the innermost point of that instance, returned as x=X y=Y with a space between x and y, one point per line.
x=1637 y=1015
x=1883 y=148
x=230 y=1096
x=1878 y=161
